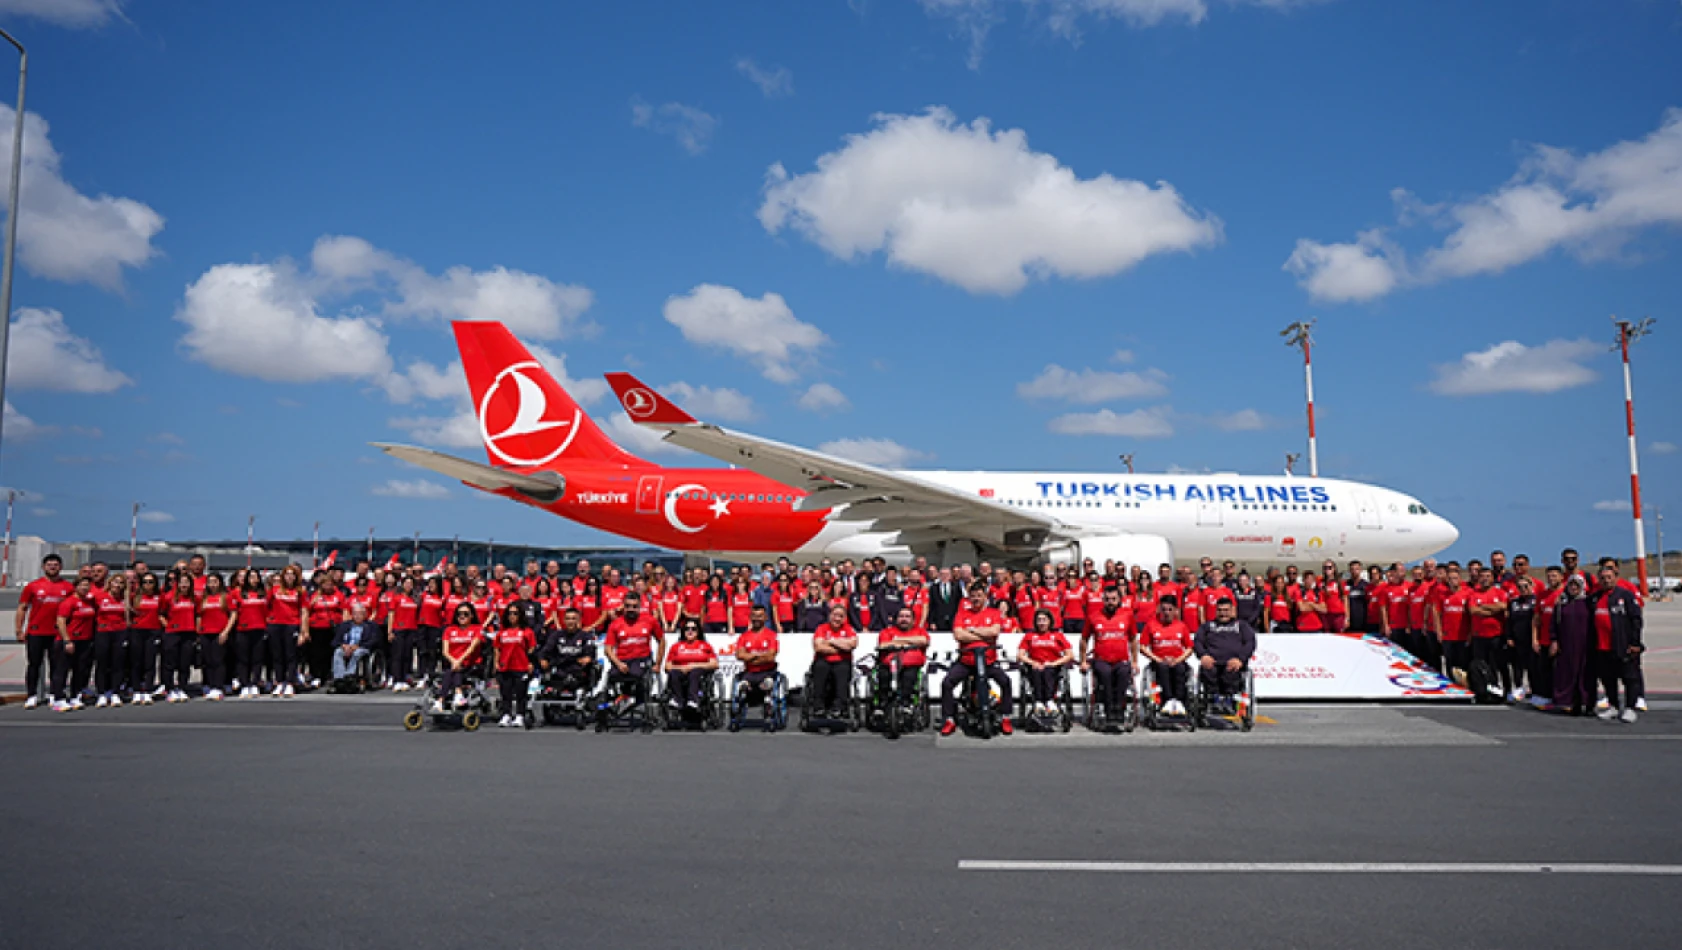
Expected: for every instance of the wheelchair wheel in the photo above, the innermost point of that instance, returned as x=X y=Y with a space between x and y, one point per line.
x=412 y=720
x=376 y=670
x=1247 y=703
x=529 y=720
x=470 y=720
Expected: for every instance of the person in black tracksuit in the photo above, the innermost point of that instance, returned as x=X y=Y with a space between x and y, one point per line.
x=812 y=611
x=1249 y=601
x=1620 y=663
x=569 y=651
x=1520 y=643
x=1224 y=647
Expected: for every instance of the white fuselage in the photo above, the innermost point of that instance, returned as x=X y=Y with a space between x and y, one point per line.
x=1253 y=520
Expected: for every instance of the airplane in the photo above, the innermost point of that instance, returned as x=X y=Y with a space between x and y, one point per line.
x=777 y=499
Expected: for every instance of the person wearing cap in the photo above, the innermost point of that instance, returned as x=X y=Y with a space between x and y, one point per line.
x=1224 y=647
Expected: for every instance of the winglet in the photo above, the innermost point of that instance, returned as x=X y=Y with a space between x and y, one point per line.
x=644 y=405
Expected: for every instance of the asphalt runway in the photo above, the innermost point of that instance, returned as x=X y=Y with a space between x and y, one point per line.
x=321 y=823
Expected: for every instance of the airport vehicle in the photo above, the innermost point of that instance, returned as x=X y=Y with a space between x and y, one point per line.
x=777 y=499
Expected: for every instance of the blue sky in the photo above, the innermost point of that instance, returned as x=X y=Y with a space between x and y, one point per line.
x=999 y=234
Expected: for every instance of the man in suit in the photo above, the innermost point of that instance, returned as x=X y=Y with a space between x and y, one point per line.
x=352 y=641
x=945 y=595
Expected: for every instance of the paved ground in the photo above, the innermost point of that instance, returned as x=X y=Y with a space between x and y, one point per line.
x=321 y=823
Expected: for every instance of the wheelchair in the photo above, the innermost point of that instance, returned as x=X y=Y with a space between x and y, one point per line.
x=1206 y=706
x=1060 y=718
x=370 y=673
x=710 y=714
x=467 y=715
x=629 y=704
x=774 y=717
x=1151 y=703
x=819 y=720
x=980 y=712
x=1098 y=718
x=558 y=697
x=883 y=712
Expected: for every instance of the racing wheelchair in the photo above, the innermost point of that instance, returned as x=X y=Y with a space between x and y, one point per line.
x=446 y=712
x=559 y=695
x=883 y=712
x=708 y=714
x=629 y=703
x=981 y=712
x=1098 y=717
x=1208 y=704
x=849 y=707
x=773 y=703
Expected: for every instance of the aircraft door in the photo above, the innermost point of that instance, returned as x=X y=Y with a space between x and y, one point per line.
x=648 y=494
x=1208 y=514
x=1366 y=511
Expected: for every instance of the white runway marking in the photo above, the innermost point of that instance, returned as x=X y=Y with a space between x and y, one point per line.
x=1193 y=867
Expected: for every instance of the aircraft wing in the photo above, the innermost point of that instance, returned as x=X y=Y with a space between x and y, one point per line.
x=921 y=511
x=539 y=486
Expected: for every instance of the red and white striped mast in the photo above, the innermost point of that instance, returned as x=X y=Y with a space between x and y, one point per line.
x=1300 y=334
x=1627 y=333
x=250 y=537
x=315 y=545
x=6 y=559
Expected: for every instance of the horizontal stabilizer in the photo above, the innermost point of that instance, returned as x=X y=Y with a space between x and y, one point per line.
x=538 y=486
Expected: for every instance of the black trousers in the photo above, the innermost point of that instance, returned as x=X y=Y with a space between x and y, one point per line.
x=831 y=684
x=1043 y=683
x=686 y=686
x=283 y=652
x=109 y=660
x=961 y=673
x=249 y=647
x=1521 y=660
x=431 y=649
x=175 y=660
x=1113 y=681
x=70 y=670
x=1612 y=671
x=759 y=682
x=1457 y=655
x=630 y=681
x=37 y=657
x=1493 y=650
x=143 y=659
x=318 y=654
x=210 y=660
x=1430 y=649
x=905 y=689
x=1172 y=680
x=1221 y=681
x=402 y=655
x=451 y=681
x=511 y=692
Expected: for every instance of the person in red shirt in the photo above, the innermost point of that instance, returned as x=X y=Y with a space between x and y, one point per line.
x=830 y=683
x=1391 y=602
x=1453 y=624
x=431 y=620
x=145 y=634
x=461 y=640
x=689 y=663
x=757 y=650
x=180 y=610
x=715 y=610
x=513 y=643
x=251 y=608
x=741 y=606
x=216 y=621
x=72 y=655
x=1309 y=605
x=36 y=623
x=1044 y=655
x=908 y=643
x=403 y=633
x=976 y=628
x=1167 y=643
x=288 y=605
x=1107 y=649
x=1072 y=603
x=694 y=596
x=327 y=608
x=1542 y=675
x=1280 y=607
x=109 y=636
x=783 y=599
x=1618 y=624
x=633 y=647
x=669 y=605
x=1488 y=609
x=1335 y=595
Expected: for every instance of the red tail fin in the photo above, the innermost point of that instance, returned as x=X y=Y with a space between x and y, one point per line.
x=526 y=419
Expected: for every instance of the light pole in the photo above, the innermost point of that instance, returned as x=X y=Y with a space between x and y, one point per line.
x=11 y=216
x=416 y=555
x=6 y=567
x=1127 y=460
x=1658 y=520
x=315 y=544
x=250 y=537
x=1300 y=334
x=1291 y=459
x=370 y=545
x=1627 y=333
x=134 y=530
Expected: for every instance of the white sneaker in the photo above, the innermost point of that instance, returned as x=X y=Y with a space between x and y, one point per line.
x=505 y=722
x=1521 y=694
x=1641 y=704
x=1606 y=712
x=289 y=692
x=76 y=704
x=314 y=684
x=214 y=696
x=144 y=699
x=234 y=686
x=460 y=701
x=437 y=705
x=60 y=705
x=1602 y=705
x=159 y=693
x=102 y=702
x=32 y=702
x=1628 y=715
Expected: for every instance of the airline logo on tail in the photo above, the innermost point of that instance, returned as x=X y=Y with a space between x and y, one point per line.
x=512 y=423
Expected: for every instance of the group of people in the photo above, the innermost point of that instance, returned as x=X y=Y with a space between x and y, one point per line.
x=113 y=637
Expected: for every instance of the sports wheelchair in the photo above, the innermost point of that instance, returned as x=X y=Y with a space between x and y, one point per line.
x=445 y=712
x=851 y=707
x=981 y=712
x=774 y=706
x=883 y=712
x=1152 y=704
x=1209 y=704
x=629 y=703
x=559 y=695
x=709 y=714
x=369 y=674
x=1098 y=717
x=1060 y=717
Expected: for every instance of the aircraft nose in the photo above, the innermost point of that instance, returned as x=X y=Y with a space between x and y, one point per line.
x=1446 y=533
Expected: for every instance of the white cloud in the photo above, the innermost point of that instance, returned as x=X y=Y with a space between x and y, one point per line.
x=1662 y=448
x=973 y=20
x=417 y=488
x=976 y=208
x=459 y=430
x=1614 y=506
x=774 y=82
x=728 y=405
x=76 y=14
x=43 y=512
x=1512 y=367
x=885 y=453
x=638 y=440
x=44 y=354
x=1124 y=357
x=692 y=127
x=1589 y=206
x=1152 y=423
x=64 y=234
x=1244 y=420
x=166 y=438
x=156 y=517
x=20 y=427
x=763 y=331
x=1091 y=385
x=822 y=397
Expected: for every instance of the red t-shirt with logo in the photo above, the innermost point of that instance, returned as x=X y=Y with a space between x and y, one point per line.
x=1334 y=593
x=214 y=612
x=1485 y=628
x=826 y=633
x=1074 y=602
x=1455 y=620
x=613 y=598
x=148 y=612
x=632 y=640
x=113 y=613
x=458 y=637
x=968 y=619
x=1603 y=626
x=79 y=615
x=689 y=652
x=181 y=614
x=326 y=610
x=251 y=610
x=405 y=612
x=782 y=606
x=1418 y=600
x=1046 y=597
x=1045 y=647
x=1166 y=640
x=513 y=649
x=431 y=610
x=41 y=598
x=1545 y=615
x=760 y=641
x=694 y=599
x=1309 y=621
x=741 y=609
x=910 y=657
x=1395 y=604
x=1111 y=635
x=285 y=606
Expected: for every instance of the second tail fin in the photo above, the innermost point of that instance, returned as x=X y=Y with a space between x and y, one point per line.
x=526 y=418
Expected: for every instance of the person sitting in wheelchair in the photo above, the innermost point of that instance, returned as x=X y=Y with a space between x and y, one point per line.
x=1167 y=644
x=461 y=642
x=1108 y=648
x=568 y=654
x=1223 y=647
x=633 y=646
x=756 y=649
x=1044 y=654
x=833 y=644
x=351 y=643
x=976 y=628
x=911 y=642
x=689 y=663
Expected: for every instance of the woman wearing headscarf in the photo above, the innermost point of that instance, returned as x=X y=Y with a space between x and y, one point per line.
x=1573 y=642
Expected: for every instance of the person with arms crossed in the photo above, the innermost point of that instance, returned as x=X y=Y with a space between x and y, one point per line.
x=36 y=623
x=976 y=627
